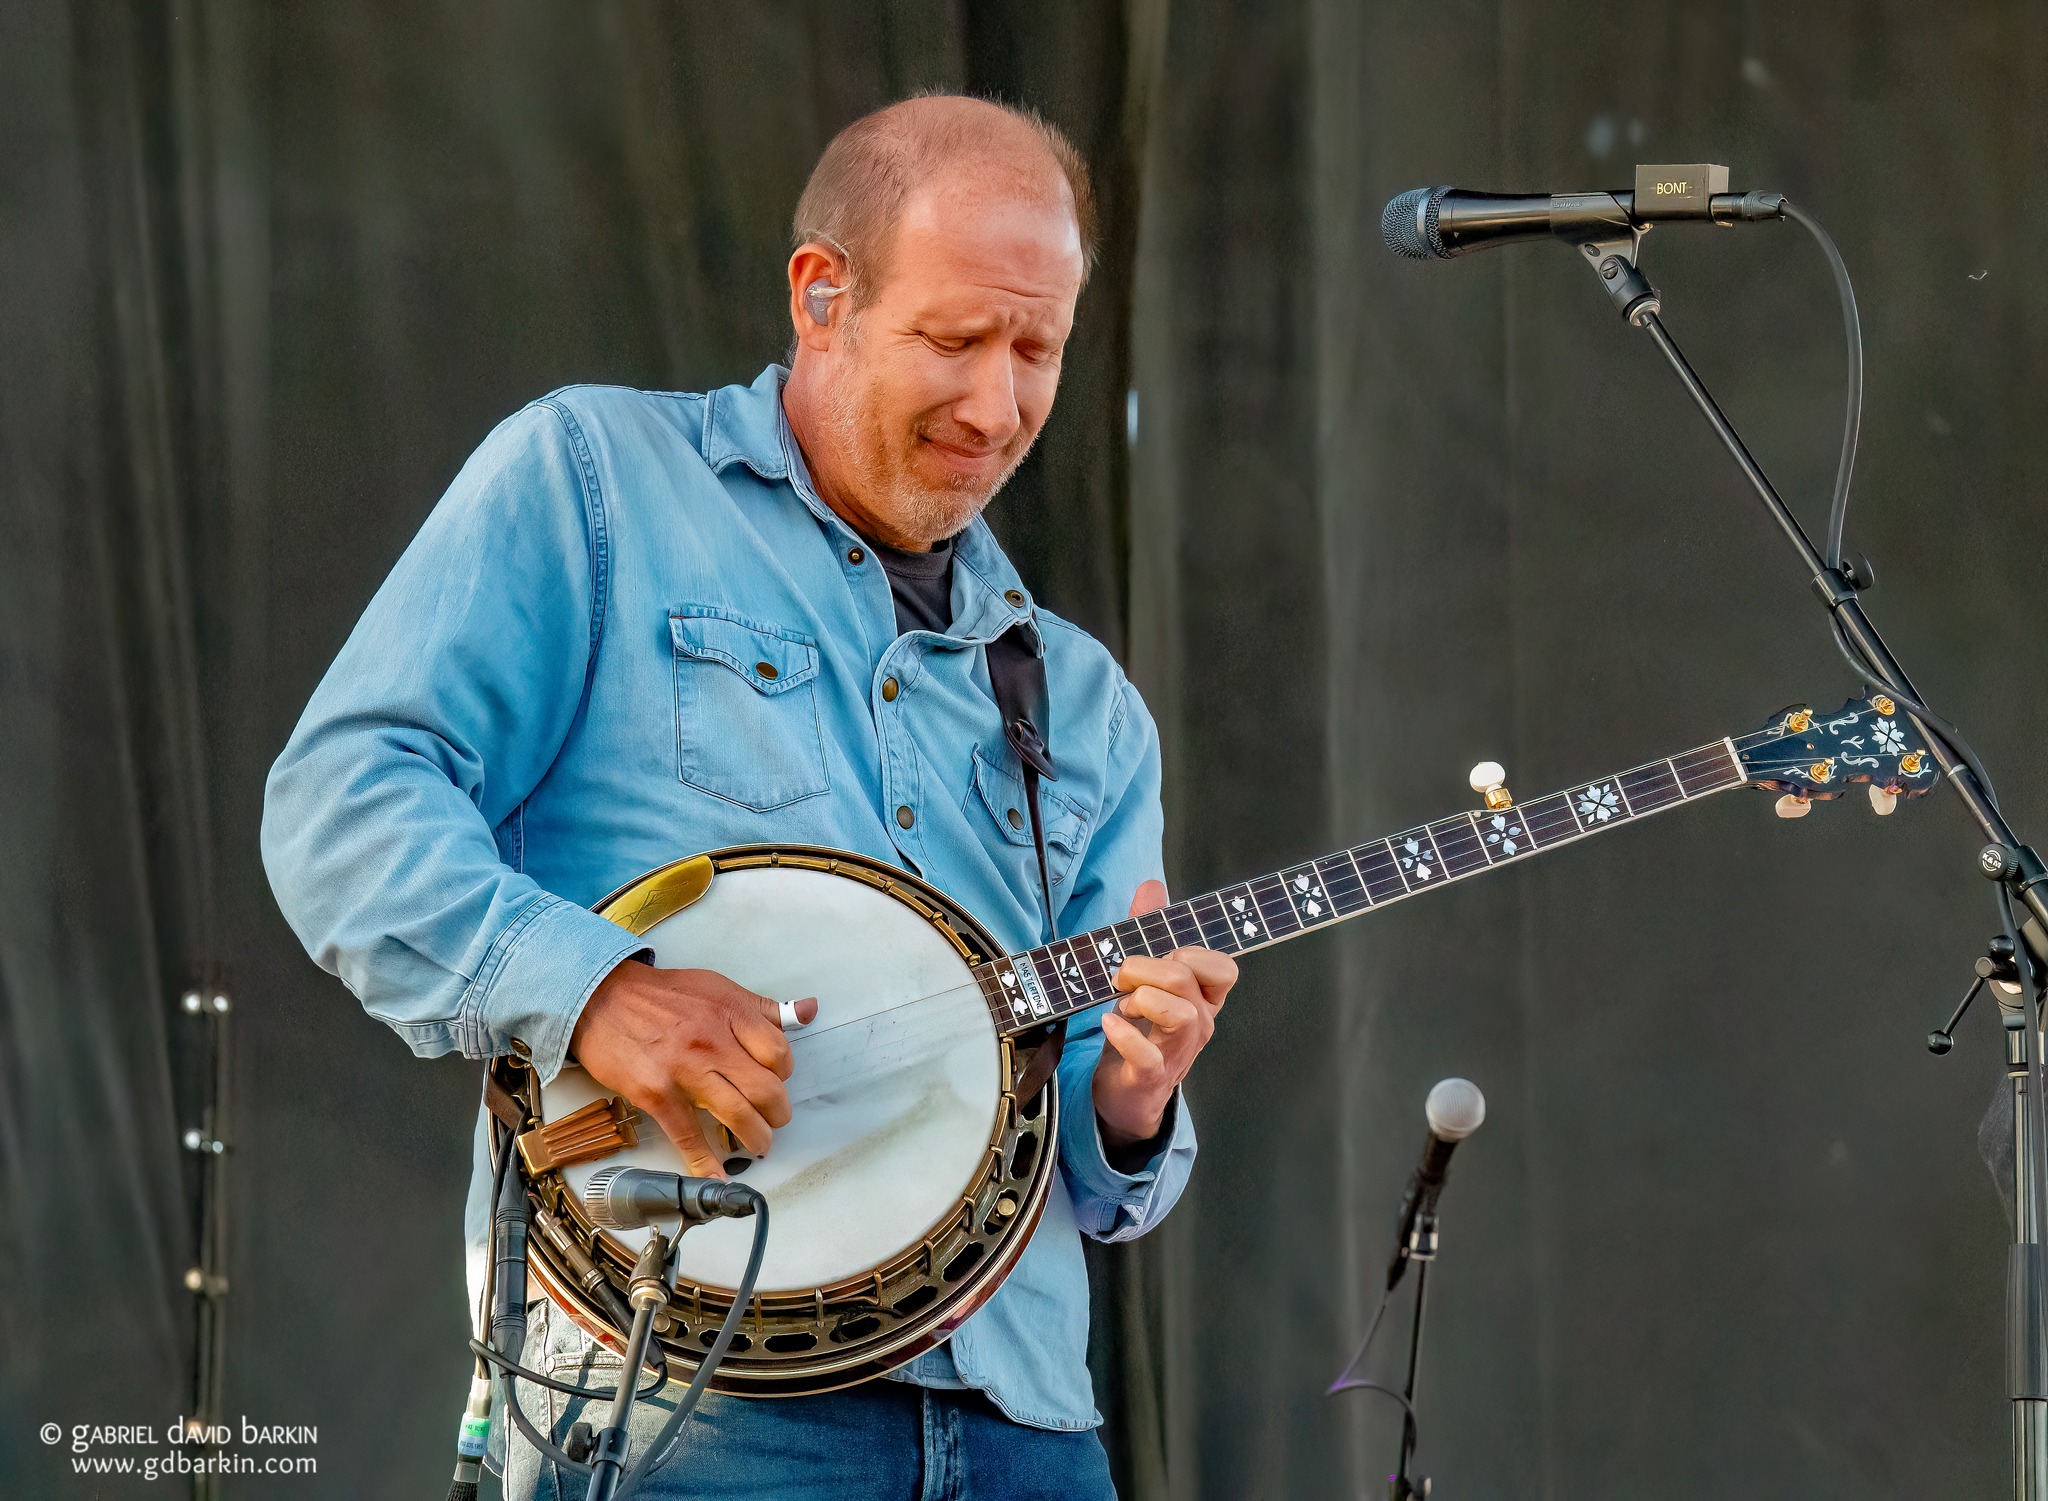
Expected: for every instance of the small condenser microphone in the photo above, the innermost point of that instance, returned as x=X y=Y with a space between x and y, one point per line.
x=628 y=1198
x=1438 y=223
x=1454 y=1109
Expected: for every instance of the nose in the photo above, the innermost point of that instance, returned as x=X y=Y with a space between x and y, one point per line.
x=989 y=406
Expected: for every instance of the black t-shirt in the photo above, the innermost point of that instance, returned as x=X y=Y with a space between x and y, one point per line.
x=921 y=583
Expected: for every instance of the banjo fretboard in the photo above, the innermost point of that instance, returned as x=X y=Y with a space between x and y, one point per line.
x=1071 y=974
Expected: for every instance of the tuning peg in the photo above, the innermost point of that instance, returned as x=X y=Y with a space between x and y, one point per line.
x=1489 y=780
x=1882 y=799
x=1792 y=805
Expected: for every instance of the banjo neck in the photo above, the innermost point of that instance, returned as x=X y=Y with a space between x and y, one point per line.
x=1057 y=979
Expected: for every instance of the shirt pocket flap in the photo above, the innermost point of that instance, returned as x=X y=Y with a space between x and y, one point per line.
x=772 y=661
x=1003 y=795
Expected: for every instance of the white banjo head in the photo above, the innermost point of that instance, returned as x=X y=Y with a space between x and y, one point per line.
x=896 y=1087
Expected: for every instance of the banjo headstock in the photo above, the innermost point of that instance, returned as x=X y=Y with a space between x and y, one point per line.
x=1812 y=757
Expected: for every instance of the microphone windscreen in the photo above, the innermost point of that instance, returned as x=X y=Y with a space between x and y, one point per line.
x=1455 y=1109
x=1408 y=224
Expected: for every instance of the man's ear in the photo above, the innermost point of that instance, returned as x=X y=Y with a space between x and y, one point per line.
x=818 y=279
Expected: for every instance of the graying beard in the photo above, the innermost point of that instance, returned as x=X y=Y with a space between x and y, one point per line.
x=919 y=511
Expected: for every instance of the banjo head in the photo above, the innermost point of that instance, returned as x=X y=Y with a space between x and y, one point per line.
x=909 y=1176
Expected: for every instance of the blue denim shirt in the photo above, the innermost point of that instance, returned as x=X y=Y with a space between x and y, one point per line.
x=535 y=708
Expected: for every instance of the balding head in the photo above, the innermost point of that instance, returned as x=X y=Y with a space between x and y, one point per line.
x=937 y=145
x=962 y=230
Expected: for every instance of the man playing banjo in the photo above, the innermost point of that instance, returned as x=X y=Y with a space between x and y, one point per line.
x=640 y=625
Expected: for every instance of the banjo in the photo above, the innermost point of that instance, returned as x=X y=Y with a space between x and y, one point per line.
x=923 y=1144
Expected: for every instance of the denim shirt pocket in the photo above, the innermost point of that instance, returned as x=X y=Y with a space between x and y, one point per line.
x=1001 y=794
x=747 y=727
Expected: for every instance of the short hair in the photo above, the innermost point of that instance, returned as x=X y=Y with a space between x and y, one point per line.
x=856 y=193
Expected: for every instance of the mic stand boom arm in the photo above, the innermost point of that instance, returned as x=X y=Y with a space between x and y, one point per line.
x=2004 y=858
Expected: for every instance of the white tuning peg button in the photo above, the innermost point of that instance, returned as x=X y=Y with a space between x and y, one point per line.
x=1882 y=801
x=1489 y=780
x=1791 y=806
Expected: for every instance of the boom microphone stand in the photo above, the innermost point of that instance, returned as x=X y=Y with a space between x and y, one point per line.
x=2022 y=876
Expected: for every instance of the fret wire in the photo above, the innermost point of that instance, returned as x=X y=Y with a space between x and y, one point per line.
x=1485 y=846
x=1346 y=876
x=1093 y=971
x=1277 y=909
x=1451 y=836
x=1394 y=855
x=1240 y=907
x=1130 y=938
x=1035 y=964
x=1318 y=894
x=1004 y=1003
x=1652 y=778
x=1158 y=937
x=1425 y=867
x=1560 y=812
x=1382 y=851
x=1159 y=921
x=1096 y=937
x=1719 y=749
x=1724 y=769
x=1703 y=779
x=1066 y=963
x=1680 y=761
x=1214 y=922
x=1048 y=977
x=1602 y=802
x=1297 y=898
x=1180 y=922
x=1351 y=854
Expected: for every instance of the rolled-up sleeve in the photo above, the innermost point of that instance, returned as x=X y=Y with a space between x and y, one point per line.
x=444 y=709
x=1124 y=853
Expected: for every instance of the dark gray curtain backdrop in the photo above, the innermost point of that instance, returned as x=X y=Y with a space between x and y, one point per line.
x=270 y=273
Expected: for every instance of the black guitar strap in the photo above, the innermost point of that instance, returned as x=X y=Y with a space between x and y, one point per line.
x=1016 y=671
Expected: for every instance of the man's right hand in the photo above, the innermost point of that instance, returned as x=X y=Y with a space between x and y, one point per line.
x=673 y=1040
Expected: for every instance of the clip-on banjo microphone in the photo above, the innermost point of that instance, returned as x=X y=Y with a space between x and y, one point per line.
x=619 y=1198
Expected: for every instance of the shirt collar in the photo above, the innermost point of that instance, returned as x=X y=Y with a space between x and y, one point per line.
x=746 y=425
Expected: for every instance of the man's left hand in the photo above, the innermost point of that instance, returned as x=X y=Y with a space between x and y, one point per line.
x=1176 y=1000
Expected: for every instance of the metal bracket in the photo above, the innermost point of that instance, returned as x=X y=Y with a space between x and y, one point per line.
x=1613 y=260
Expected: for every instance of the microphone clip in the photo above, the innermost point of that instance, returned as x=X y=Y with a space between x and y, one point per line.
x=1613 y=259
x=1421 y=1242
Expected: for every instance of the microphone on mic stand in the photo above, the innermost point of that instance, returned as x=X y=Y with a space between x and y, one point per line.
x=1438 y=223
x=1454 y=1109
x=628 y=1198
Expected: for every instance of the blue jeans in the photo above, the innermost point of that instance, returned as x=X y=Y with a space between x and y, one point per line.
x=880 y=1441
